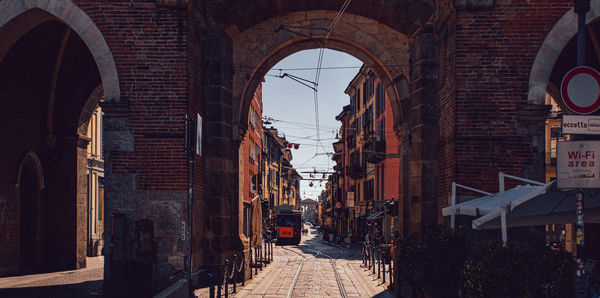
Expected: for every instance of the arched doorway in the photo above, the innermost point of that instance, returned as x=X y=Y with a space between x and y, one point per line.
x=251 y=43
x=52 y=60
x=30 y=184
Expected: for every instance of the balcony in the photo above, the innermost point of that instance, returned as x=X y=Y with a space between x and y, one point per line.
x=351 y=141
x=375 y=150
x=356 y=171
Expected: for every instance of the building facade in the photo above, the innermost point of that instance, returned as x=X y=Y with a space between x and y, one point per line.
x=466 y=81
x=95 y=172
x=253 y=148
x=366 y=180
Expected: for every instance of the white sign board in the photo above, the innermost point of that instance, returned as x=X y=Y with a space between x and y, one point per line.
x=350 y=199
x=587 y=125
x=578 y=164
x=199 y=135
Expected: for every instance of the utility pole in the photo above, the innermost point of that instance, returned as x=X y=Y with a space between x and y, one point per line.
x=581 y=7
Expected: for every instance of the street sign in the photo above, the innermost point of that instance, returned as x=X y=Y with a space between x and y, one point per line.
x=580 y=90
x=350 y=199
x=581 y=124
x=338 y=205
x=578 y=164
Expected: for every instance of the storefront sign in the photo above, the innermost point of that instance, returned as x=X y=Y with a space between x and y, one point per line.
x=588 y=125
x=578 y=164
x=350 y=199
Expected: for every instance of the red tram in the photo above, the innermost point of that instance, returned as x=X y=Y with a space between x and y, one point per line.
x=289 y=225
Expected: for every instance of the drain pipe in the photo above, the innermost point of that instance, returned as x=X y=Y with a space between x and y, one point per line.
x=190 y=154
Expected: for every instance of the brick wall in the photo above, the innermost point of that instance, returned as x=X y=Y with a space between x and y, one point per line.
x=490 y=50
x=147 y=172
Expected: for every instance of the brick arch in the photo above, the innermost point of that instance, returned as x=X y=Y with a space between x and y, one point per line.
x=404 y=16
x=31 y=158
x=23 y=16
x=88 y=109
x=258 y=49
x=556 y=40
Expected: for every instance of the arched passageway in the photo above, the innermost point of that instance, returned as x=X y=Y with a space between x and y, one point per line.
x=49 y=68
x=253 y=43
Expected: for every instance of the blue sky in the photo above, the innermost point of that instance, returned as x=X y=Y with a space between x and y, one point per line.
x=292 y=105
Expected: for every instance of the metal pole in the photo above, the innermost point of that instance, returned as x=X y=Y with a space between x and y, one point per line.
x=453 y=216
x=383 y=266
x=502 y=209
x=580 y=283
x=581 y=7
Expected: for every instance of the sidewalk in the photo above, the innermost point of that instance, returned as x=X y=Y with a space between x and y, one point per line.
x=86 y=282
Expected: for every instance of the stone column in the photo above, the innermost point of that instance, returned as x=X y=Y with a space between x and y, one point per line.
x=222 y=145
x=118 y=140
x=422 y=125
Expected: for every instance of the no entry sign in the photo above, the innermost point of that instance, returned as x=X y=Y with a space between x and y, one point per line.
x=580 y=90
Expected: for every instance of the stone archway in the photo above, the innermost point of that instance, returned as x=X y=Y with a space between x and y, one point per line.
x=377 y=45
x=17 y=17
x=30 y=184
x=550 y=50
x=67 y=58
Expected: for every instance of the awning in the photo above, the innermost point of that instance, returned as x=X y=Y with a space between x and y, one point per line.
x=375 y=215
x=552 y=207
x=487 y=208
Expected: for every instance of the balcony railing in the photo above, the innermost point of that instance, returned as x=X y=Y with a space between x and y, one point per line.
x=356 y=171
x=375 y=150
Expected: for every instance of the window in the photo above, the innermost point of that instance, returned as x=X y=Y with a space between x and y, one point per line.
x=369 y=190
x=381 y=129
x=379 y=99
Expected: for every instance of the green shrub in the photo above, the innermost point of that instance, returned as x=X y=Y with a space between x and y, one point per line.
x=443 y=263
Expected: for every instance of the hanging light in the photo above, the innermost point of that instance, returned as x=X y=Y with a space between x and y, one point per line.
x=310 y=184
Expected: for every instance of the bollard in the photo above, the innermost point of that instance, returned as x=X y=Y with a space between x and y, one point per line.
x=378 y=263
x=234 y=273
x=255 y=261
x=367 y=256
x=218 y=284
x=391 y=276
x=383 y=268
x=250 y=261
x=226 y=280
x=242 y=269
x=373 y=258
x=260 y=257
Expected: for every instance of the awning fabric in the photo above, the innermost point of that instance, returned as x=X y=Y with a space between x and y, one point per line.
x=375 y=215
x=487 y=208
x=256 y=222
x=552 y=207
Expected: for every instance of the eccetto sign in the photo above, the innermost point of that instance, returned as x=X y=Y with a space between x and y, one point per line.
x=584 y=124
x=578 y=164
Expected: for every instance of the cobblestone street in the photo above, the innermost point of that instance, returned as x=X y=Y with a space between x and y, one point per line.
x=311 y=265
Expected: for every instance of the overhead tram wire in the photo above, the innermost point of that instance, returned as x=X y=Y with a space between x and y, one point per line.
x=320 y=64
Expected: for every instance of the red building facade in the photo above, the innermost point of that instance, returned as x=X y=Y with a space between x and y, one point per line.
x=253 y=145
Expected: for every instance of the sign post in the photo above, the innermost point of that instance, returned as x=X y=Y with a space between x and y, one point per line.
x=581 y=7
x=578 y=167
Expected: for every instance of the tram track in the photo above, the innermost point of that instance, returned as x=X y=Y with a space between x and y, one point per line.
x=332 y=262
